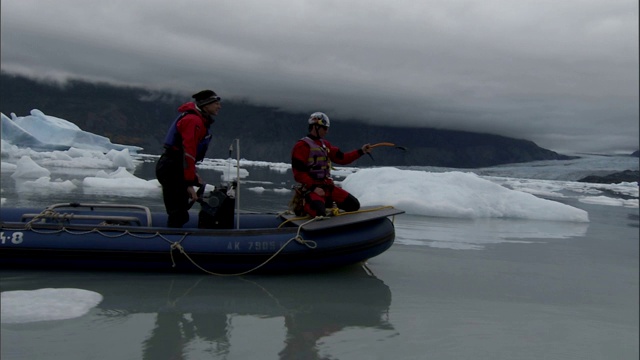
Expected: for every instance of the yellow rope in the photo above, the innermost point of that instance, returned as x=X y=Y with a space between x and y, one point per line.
x=366 y=210
x=334 y=212
x=293 y=219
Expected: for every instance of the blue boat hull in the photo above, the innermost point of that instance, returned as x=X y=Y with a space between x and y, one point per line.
x=78 y=237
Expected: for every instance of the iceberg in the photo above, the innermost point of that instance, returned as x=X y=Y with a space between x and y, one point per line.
x=48 y=133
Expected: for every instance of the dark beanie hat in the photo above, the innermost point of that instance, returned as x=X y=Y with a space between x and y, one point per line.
x=205 y=97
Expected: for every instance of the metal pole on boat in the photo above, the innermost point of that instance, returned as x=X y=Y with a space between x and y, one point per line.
x=238 y=184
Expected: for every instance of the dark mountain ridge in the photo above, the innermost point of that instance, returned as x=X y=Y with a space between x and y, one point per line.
x=136 y=116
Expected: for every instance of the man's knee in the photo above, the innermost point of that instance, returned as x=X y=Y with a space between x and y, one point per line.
x=315 y=208
x=350 y=204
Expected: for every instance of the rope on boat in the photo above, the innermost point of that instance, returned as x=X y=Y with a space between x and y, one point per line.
x=332 y=214
x=298 y=238
x=308 y=243
x=365 y=210
x=178 y=244
x=44 y=214
x=52 y=214
x=48 y=213
x=296 y=219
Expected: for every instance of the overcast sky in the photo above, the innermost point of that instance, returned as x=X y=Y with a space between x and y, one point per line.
x=563 y=74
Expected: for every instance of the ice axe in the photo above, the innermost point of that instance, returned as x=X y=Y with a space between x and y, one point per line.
x=386 y=144
x=389 y=145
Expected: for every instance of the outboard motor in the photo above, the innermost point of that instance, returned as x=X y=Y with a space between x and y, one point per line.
x=217 y=212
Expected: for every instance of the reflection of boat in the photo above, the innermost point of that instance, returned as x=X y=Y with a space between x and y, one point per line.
x=121 y=237
x=203 y=308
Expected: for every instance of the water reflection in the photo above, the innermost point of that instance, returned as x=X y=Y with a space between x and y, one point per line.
x=196 y=314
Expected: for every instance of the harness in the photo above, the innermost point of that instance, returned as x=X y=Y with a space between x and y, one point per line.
x=318 y=161
x=173 y=140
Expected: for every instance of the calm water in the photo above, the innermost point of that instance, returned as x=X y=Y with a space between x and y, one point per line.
x=447 y=289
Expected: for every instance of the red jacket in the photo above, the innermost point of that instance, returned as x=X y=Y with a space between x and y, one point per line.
x=193 y=128
x=300 y=156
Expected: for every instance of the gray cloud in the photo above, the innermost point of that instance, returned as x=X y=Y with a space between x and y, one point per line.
x=563 y=74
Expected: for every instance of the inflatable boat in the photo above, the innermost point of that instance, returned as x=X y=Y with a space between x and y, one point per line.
x=130 y=237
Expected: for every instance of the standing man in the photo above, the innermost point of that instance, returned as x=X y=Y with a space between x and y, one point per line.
x=186 y=143
x=311 y=160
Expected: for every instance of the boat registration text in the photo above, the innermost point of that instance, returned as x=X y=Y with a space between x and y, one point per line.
x=15 y=237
